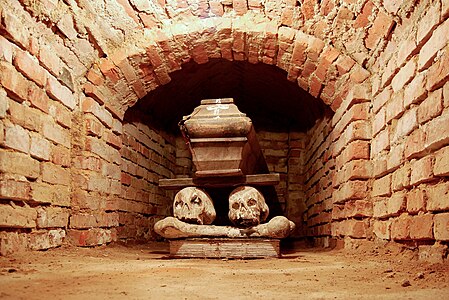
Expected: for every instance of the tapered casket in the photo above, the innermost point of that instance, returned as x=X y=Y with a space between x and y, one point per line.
x=222 y=140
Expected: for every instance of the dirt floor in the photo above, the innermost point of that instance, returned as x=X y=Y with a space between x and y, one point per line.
x=146 y=272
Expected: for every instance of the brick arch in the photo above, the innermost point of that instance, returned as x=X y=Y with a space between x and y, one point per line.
x=128 y=74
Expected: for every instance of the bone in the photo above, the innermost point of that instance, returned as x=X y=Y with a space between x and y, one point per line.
x=279 y=227
x=247 y=207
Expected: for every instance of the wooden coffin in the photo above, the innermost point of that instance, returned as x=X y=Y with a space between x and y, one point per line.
x=222 y=140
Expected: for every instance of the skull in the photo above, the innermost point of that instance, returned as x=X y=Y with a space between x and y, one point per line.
x=247 y=207
x=193 y=205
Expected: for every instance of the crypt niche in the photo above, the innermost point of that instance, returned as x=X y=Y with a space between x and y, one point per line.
x=227 y=156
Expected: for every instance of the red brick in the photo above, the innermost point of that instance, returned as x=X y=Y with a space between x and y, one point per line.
x=416 y=201
x=50 y=217
x=14 y=190
x=396 y=204
x=406 y=49
x=17 y=217
x=109 y=70
x=344 y=64
x=382 y=186
x=405 y=125
x=421 y=227
x=113 y=140
x=380 y=29
x=55 y=174
x=431 y=107
x=380 y=142
x=39 y=147
x=315 y=86
x=395 y=107
x=95 y=77
x=82 y=221
x=359 y=74
x=56 y=133
x=91 y=237
x=437 y=132
x=379 y=121
x=381 y=99
x=38 y=98
x=401 y=178
x=93 y=126
x=90 y=105
x=6 y=50
x=363 y=18
x=350 y=190
x=415 y=144
x=50 y=60
x=4 y=103
x=60 y=155
x=439 y=72
x=30 y=67
x=357 y=229
x=421 y=170
x=446 y=95
x=358 y=208
x=14 y=82
x=15 y=29
x=437 y=41
x=404 y=76
x=428 y=23
x=441 y=229
x=19 y=163
x=355 y=150
x=400 y=228
x=60 y=93
x=438 y=197
x=382 y=229
x=17 y=138
x=441 y=166
x=308 y=9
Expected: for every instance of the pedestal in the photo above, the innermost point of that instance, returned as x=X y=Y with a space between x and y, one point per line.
x=224 y=248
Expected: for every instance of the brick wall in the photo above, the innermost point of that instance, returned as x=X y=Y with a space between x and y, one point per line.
x=74 y=169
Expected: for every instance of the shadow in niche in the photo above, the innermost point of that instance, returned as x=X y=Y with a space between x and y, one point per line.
x=261 y=91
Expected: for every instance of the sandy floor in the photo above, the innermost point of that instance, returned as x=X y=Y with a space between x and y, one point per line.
x=146 y=272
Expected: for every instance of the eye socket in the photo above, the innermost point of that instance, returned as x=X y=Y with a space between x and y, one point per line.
x=251 y=202
x=178 y=204
x=235 y=205
x=195 y=200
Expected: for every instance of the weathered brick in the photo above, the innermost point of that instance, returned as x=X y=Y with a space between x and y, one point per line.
x=56 y=133
x=438 y=197
x=395 y=107
x=379 y=121
x=17 y=217
x=14 y=82
x=49 y=217
x=14 y=190
x=403 y=76
x=39 y=147
x=55 y=174
x=416 y=201
x=17 y=138
x=91 y=106
x=29 y=66
x=431 y=107
x=421 y=170
x=358 y=208
x=350 y=190
x=50 y=60
x=38 y=98
x=60 y=155
x=382 y=229
x=415 y=143
x=441 y=166
x=53 y=194
x=46 y=239
x=15 y=29
x=441 y=227
x=4 y=103
x=401 y=178
x=19 y=163
x=382 y=186
x=6 y=50
x=60 y=93
x=91 y=237
x=428 y=23
x=381 y=28
x=25 y=116
x=80 y=221
x=400 y=228
x=436 y=132
x=93 y=126
x=437 y=41
x=405 y=125
x=438 y=73
x=380 y=142
x=12 y=242
x=421 y=227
